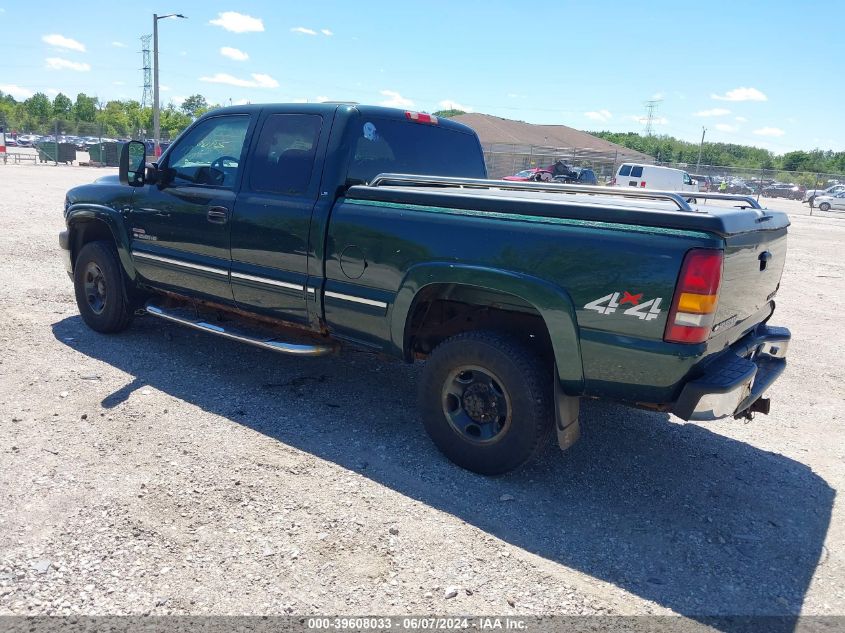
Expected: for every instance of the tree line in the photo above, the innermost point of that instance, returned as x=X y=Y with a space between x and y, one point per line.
x=88 y=116
x=671 y=150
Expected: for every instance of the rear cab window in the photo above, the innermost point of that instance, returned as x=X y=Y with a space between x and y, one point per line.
x=637 y=171
x=625 y=170
x=391 y=145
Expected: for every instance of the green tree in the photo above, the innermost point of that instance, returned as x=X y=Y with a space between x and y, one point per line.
x=448 y=113
x=85 y=108
x=38 y=109
x=194 y=106
x=62 y=106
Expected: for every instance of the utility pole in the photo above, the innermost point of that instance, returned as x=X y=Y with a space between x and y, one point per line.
x=156 y=125
x=700 y=147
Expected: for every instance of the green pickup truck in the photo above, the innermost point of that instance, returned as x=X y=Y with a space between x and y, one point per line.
x=305 y=228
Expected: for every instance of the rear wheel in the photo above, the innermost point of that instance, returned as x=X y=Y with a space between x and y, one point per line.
x=486 y=402
x=824 y=206
x=99 y=288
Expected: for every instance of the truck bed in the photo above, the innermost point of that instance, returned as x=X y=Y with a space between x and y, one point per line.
x=577 y=203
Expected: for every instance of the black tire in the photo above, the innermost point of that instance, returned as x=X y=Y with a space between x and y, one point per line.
x=824 y=206
x=495 y=425
x=100 y=288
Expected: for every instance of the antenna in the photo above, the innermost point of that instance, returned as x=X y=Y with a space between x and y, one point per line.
x=650 y=110
x=146 y=95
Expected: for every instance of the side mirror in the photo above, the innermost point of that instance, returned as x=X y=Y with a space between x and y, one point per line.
x=133 y=164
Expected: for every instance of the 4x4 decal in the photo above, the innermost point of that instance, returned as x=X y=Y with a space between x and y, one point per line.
x=609 y=304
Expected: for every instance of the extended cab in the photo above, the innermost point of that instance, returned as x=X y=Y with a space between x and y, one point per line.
x=304 y=228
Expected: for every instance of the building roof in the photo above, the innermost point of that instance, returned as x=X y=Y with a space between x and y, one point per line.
x=493 y=129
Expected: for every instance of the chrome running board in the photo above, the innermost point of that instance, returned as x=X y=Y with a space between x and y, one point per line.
x=295 y=349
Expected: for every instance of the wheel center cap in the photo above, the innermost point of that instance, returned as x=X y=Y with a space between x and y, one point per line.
x=480 y=403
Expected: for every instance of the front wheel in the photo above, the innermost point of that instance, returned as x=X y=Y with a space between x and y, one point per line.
x=99 y=288
x=486 y=402
x=824 y=206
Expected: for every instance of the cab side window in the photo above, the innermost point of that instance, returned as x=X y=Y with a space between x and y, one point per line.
x=637 y=171
x=284 y=157
x=625 y=170
x=210 y=154
x=687 y=179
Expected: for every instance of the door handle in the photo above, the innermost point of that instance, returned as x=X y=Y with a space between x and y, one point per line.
x=218 y=215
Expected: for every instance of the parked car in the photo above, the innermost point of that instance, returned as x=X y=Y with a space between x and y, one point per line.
x=578 y=176
x=653 y=177
x=741 y=188
x=705 y=183
x=291 y=218
x=783 y=190
x=835 y=202
x=11 y=142
x=811 y=194
x=536 y=174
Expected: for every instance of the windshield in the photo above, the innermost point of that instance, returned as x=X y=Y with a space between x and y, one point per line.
x=382 y=145
x=525 y=173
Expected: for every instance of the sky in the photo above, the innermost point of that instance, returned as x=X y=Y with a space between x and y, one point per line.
x=753 y=72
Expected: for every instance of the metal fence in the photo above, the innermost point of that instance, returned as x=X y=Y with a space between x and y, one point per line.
x=505 y=159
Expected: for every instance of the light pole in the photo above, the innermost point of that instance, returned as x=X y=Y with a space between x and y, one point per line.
x=156 y=126
x=700 y=147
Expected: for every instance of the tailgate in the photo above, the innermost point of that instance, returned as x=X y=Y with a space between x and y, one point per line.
x=750 y=278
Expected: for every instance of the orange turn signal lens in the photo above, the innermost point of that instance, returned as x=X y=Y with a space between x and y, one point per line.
x=697 y=304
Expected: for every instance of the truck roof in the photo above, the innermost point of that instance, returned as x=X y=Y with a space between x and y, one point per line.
x=330 y=107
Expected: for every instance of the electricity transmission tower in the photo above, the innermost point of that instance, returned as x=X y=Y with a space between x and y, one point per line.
x=147 y=68
x=650 y=111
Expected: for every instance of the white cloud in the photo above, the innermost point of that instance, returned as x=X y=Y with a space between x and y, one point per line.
x=448 y=104
x=18 y=92
x=299 y=100
x=741 y=119
x=118 y=44
x=303 y=30
x=240 y=102
x=234 y=53
x=726 y=127
x=713 y=112
x=599 y=115
x=657 y=96
x=395 y=100
x=60 y=41
x=57 y=63
x=769 y=131
x=741 y=94
x=258 y=80
x=164 y=88
x=52 y=91
x=326 y=32
x=238 y=22
x=321 y=99
x=118 y=83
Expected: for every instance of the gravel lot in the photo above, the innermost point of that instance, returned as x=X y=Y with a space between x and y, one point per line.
x=166 y=471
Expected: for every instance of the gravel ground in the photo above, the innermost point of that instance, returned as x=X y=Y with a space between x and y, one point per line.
x=165 y=471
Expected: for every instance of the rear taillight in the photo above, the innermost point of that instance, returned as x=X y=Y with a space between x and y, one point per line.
x=642 y=184
x=696 y=297
x=421 y=117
